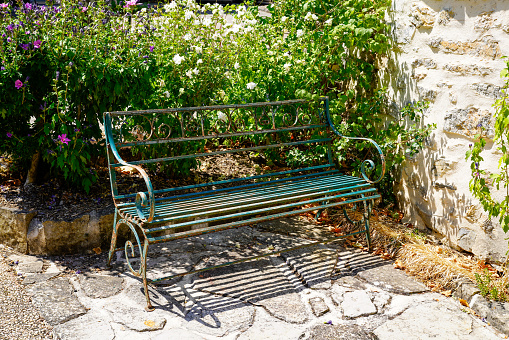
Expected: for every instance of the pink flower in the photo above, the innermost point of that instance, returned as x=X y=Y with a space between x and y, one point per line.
x=63 y=139
x=4 y=5
x=84 y=9
x=131 y=3
x=18 y=84
x=37 y=44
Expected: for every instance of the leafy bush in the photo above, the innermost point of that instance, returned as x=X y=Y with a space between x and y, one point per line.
x=62 y=66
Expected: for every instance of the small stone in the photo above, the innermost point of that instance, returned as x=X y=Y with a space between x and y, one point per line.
x=466 y=239
x=356 y=304
x=31 y=267
x=85 y=327
x=135 y=318
x=318 y=306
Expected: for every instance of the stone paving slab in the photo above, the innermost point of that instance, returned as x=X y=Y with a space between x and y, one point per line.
x=88 y=326
x=292 y=296
x=442 y=319
x=100 y=286
x=56 y=301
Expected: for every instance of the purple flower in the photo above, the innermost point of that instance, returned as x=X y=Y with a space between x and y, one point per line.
x=63 y=139
x=9 y=39
x=58 y=75
x=18 y=84
x=27 y=79
x=10 y=27
x=76 y=130
x=37 y=43
x=151 y=48
x=479 y=125
x=328 y=322
x=29 y=135
x=477 y=165
x=28 y=6
x=25 y=46
x=2 y=68
x=78 y=272
x=9 y=135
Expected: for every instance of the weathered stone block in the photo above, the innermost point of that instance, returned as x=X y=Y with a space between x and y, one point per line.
x=484 y=22
x=485 y=47
x=466 y=70
x=488 y=90
x=404 y=32
x=444 y=17
x=466 y=239
x=469 y=122
x=427 y=94
x=62 y=237
x=422 y=16
x=13 y=228
x=425 y=62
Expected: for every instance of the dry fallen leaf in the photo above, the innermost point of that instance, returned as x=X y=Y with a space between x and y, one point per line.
x=464 y=302
x=398 y=264
x=150 y=323
x=447 y=293
x=97 y=250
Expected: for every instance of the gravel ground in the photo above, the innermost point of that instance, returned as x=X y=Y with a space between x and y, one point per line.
x=19 y=319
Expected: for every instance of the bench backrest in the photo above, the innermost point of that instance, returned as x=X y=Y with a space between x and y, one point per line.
x=179 y=134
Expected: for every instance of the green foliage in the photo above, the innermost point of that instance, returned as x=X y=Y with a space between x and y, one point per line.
x=482 y=183
x=489 y=288
x=81 y=59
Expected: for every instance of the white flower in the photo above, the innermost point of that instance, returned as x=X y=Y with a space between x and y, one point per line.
x=167 y=94
x=216 y=36
x=170 y=6
x=251 y=86
x=236 y=66
x=328 y=22
x=196 y=71
x=187 y=36
x=221 y=116
x=287 y=66
x=287 y=54
x=270 y=52
x=300 y=33
x=235 y=28
x=198 y=49
x=177 y=59
x=199 y=61
x=188 y=15
x=284 y=18
x=181 y=91
x=207 y=21
x=189 y=73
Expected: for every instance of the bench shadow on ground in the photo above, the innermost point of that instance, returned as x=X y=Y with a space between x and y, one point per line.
x=273 y=282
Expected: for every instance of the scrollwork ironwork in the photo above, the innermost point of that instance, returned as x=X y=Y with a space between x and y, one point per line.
x=366 y=163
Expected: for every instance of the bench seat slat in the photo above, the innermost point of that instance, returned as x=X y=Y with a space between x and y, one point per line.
x=253 y=220
x=246 y=212
x=237 y=197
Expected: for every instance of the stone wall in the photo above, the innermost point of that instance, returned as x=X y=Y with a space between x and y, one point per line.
x=449 y=53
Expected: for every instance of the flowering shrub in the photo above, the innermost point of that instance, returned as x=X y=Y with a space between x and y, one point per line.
x=62 y=66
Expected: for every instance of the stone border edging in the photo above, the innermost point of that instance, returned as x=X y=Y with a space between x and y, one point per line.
x=494 y=313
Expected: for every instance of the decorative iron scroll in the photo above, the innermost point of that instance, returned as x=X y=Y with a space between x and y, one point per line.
x=368 y=163
x=154 y=126
x=129 y=248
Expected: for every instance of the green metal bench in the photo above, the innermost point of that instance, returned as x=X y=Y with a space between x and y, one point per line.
x=160 y=137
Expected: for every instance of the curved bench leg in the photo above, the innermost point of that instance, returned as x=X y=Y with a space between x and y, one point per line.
x=113 y=243
x=149 y=307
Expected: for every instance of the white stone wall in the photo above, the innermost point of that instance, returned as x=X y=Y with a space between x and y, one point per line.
x=449 y=53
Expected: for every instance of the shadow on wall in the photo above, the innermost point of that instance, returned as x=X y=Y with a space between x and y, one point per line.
x=433 y=187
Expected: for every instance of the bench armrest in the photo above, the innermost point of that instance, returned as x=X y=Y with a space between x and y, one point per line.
x=142 y=200
x=366 y=163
